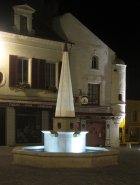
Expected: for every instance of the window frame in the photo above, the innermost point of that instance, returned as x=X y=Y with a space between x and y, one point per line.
x=14 y=81
x=24 y=67
x=95 y=62
x=94 y=96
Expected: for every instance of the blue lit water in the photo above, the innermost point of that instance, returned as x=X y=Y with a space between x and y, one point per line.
x=88 y=149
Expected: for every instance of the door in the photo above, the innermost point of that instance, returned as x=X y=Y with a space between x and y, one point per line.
x=28 y=125
x=96 y=134
x=2 y=126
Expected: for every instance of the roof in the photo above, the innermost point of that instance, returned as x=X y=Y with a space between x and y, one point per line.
x=42 y=29
x=26 y=7
x=119 y=61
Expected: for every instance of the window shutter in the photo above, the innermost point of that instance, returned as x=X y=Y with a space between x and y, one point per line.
x=59 y=71
x=38 y=73
x=34 y=73
x=13 y=64
x=52 y=81
x=47 y=75
x=42 y=74
x=50 y=75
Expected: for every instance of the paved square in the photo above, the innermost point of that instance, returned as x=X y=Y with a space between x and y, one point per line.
x=126 y=173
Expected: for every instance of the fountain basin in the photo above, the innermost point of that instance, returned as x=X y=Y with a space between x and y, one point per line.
x=35 y=156
x=74 y=142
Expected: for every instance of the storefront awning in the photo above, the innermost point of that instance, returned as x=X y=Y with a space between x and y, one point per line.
x=26 y=103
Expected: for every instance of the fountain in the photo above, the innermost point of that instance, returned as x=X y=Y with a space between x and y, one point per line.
x=64 y=146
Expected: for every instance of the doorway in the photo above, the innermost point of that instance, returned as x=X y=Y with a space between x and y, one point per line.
x=96 y=134
x=28 y=125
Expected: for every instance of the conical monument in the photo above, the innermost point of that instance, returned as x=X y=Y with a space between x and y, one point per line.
x=65 y=105
x=65 y=137
x=65 y=115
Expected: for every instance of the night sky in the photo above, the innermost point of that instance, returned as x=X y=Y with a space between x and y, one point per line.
x=115 y=23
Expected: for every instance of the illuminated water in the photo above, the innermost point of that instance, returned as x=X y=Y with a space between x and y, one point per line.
x=65 y=142
x=88 y=149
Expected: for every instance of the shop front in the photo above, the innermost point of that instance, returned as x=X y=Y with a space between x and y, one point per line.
x=21 y=122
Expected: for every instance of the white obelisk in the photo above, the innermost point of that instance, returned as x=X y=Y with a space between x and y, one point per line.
x=65 y=105
x=65 y=114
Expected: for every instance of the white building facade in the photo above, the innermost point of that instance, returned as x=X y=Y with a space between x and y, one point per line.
x=99 y=82
x=29 y=77
x=28 y=81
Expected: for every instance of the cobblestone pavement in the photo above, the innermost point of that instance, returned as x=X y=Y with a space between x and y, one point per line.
x=127 y=172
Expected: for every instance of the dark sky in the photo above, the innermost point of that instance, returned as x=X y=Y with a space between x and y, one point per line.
x=114 y=22
x=118 y=25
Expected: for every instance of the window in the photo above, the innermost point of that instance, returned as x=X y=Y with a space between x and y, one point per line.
x=95 y=62
x=18 y=71
x=40 y=74
x=23 y=19
x=94 y=94
x=23 y=24
x=22 y=75
x=43 y=75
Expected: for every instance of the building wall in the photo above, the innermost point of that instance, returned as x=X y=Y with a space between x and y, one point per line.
x=30 y=47
x=85 y=45
x=132 y=128
x=131 y=107
x=80 y=63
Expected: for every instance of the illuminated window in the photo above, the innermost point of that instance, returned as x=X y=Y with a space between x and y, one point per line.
x=95 y=62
